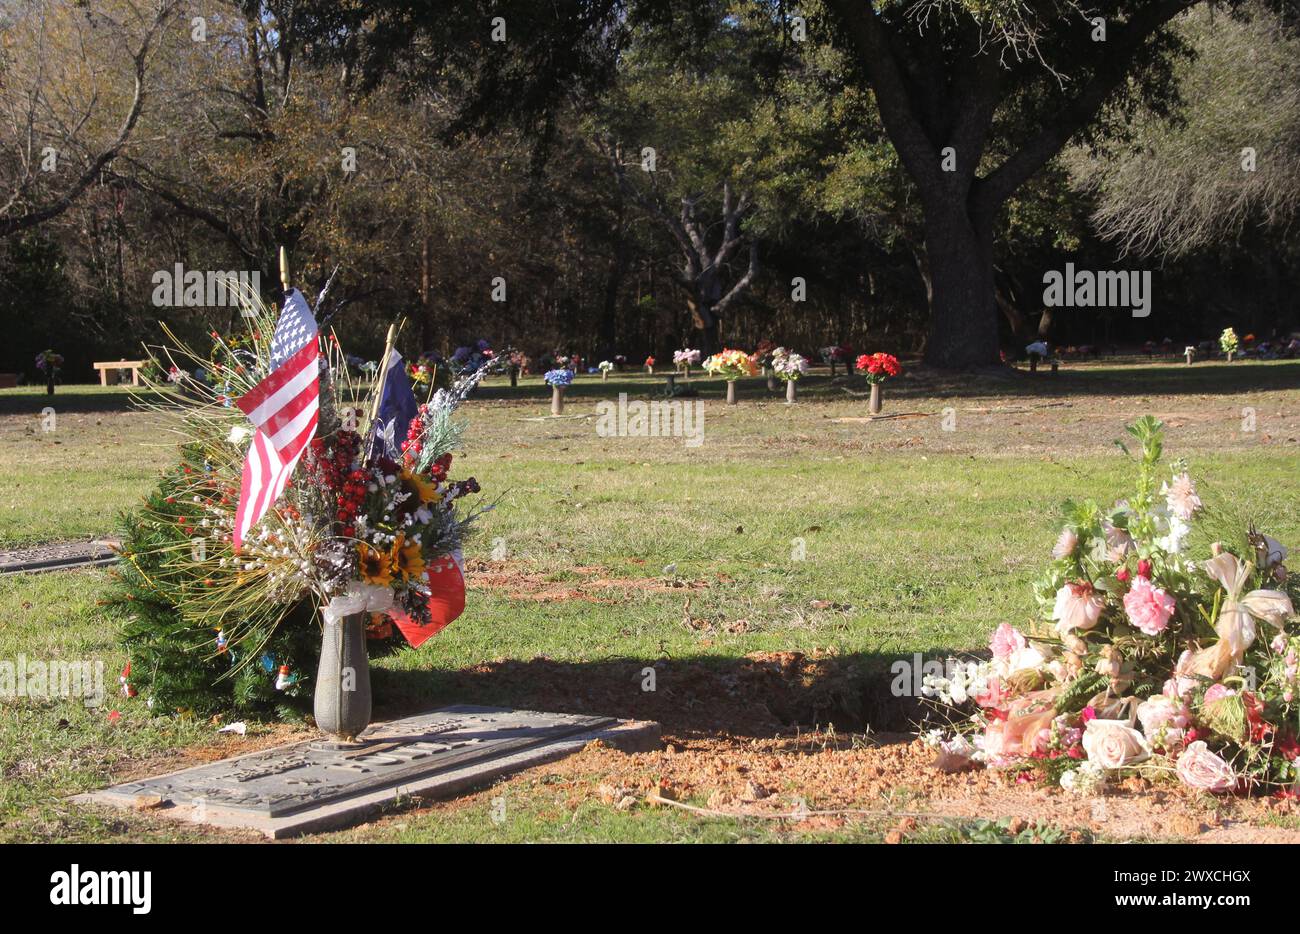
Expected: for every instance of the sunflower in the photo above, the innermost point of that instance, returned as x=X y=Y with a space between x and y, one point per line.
x=406 y=559
x=375 y=566
x=424 y=488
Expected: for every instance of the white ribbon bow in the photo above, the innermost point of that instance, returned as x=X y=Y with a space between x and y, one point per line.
x=1236 y=622
x=360 y=598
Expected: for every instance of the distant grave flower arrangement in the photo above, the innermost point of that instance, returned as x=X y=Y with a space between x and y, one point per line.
x=685 y=359
x=559 y=377
x=788 y=365
x=878 y=367
x=835 y=354
x=1228 y=341
x=49 y=362
x=1145 y=659
x=731 y=364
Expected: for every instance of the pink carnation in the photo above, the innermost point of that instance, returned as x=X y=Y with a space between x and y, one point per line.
x=1217 y=692
x=1148 y=607
x=1007 y=640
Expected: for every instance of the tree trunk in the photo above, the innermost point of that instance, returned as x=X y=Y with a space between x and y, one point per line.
x=963 y=312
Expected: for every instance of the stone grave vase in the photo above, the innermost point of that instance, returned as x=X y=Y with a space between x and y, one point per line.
x=873 y=404
x=342 y=701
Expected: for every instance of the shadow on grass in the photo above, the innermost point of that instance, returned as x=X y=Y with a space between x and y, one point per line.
x=31 y=400
x=757 y=695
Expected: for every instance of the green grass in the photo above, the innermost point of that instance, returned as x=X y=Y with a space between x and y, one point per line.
x=914 y=538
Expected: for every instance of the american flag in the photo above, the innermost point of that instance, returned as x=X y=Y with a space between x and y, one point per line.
x=285 y=407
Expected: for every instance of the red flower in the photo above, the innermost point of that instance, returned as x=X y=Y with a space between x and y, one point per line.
x=879 y=364
x=1144 y=569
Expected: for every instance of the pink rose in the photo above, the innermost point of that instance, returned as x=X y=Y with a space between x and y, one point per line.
x=1113 y=743
x=1201 y=769
x=1007 y=640
x=1078 y=606
x=1148 y=607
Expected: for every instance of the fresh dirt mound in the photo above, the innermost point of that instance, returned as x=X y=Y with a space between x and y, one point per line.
x=839 y=780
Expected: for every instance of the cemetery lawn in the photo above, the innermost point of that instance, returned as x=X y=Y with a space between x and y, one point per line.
x=769 y=576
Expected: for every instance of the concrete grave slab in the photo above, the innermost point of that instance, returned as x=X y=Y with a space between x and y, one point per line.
x=317 y=785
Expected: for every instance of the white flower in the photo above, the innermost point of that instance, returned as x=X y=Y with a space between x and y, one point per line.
x=238 y=433
x=1112 y=744
x=1088 y=779
x=1181 y=496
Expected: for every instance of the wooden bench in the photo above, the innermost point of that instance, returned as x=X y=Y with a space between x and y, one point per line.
x=132 y=365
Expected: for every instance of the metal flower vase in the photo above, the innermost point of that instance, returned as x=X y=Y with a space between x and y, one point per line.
x=342 y=700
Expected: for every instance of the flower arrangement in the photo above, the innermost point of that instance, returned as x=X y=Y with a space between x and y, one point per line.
x=380 y=518
x=1036 y=351
x=649 y=361
x=685 y=359
x=424 y=370
x=1228 y=341
x=835 y=354
x=49 y=363
x=605 y=366
x=762 y=354
x=788 y=365
x=1145 y=659
x=878 y=367
x=731 y=365
x=559 y=377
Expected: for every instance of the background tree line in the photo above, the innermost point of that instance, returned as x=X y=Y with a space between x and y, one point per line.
x=644 y=176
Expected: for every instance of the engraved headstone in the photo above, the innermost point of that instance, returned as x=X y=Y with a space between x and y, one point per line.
x=315 y=784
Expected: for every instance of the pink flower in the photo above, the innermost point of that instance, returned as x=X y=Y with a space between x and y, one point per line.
x=1216 y=692
x=993 y=696
x=1078 y=606
x=1162 y=718
x=1113 y=744
x=1007 y=640
x=1178 y=686
x=1066 y=544
x=1181 y=497
x=1148 y=607
x=1201 y=769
